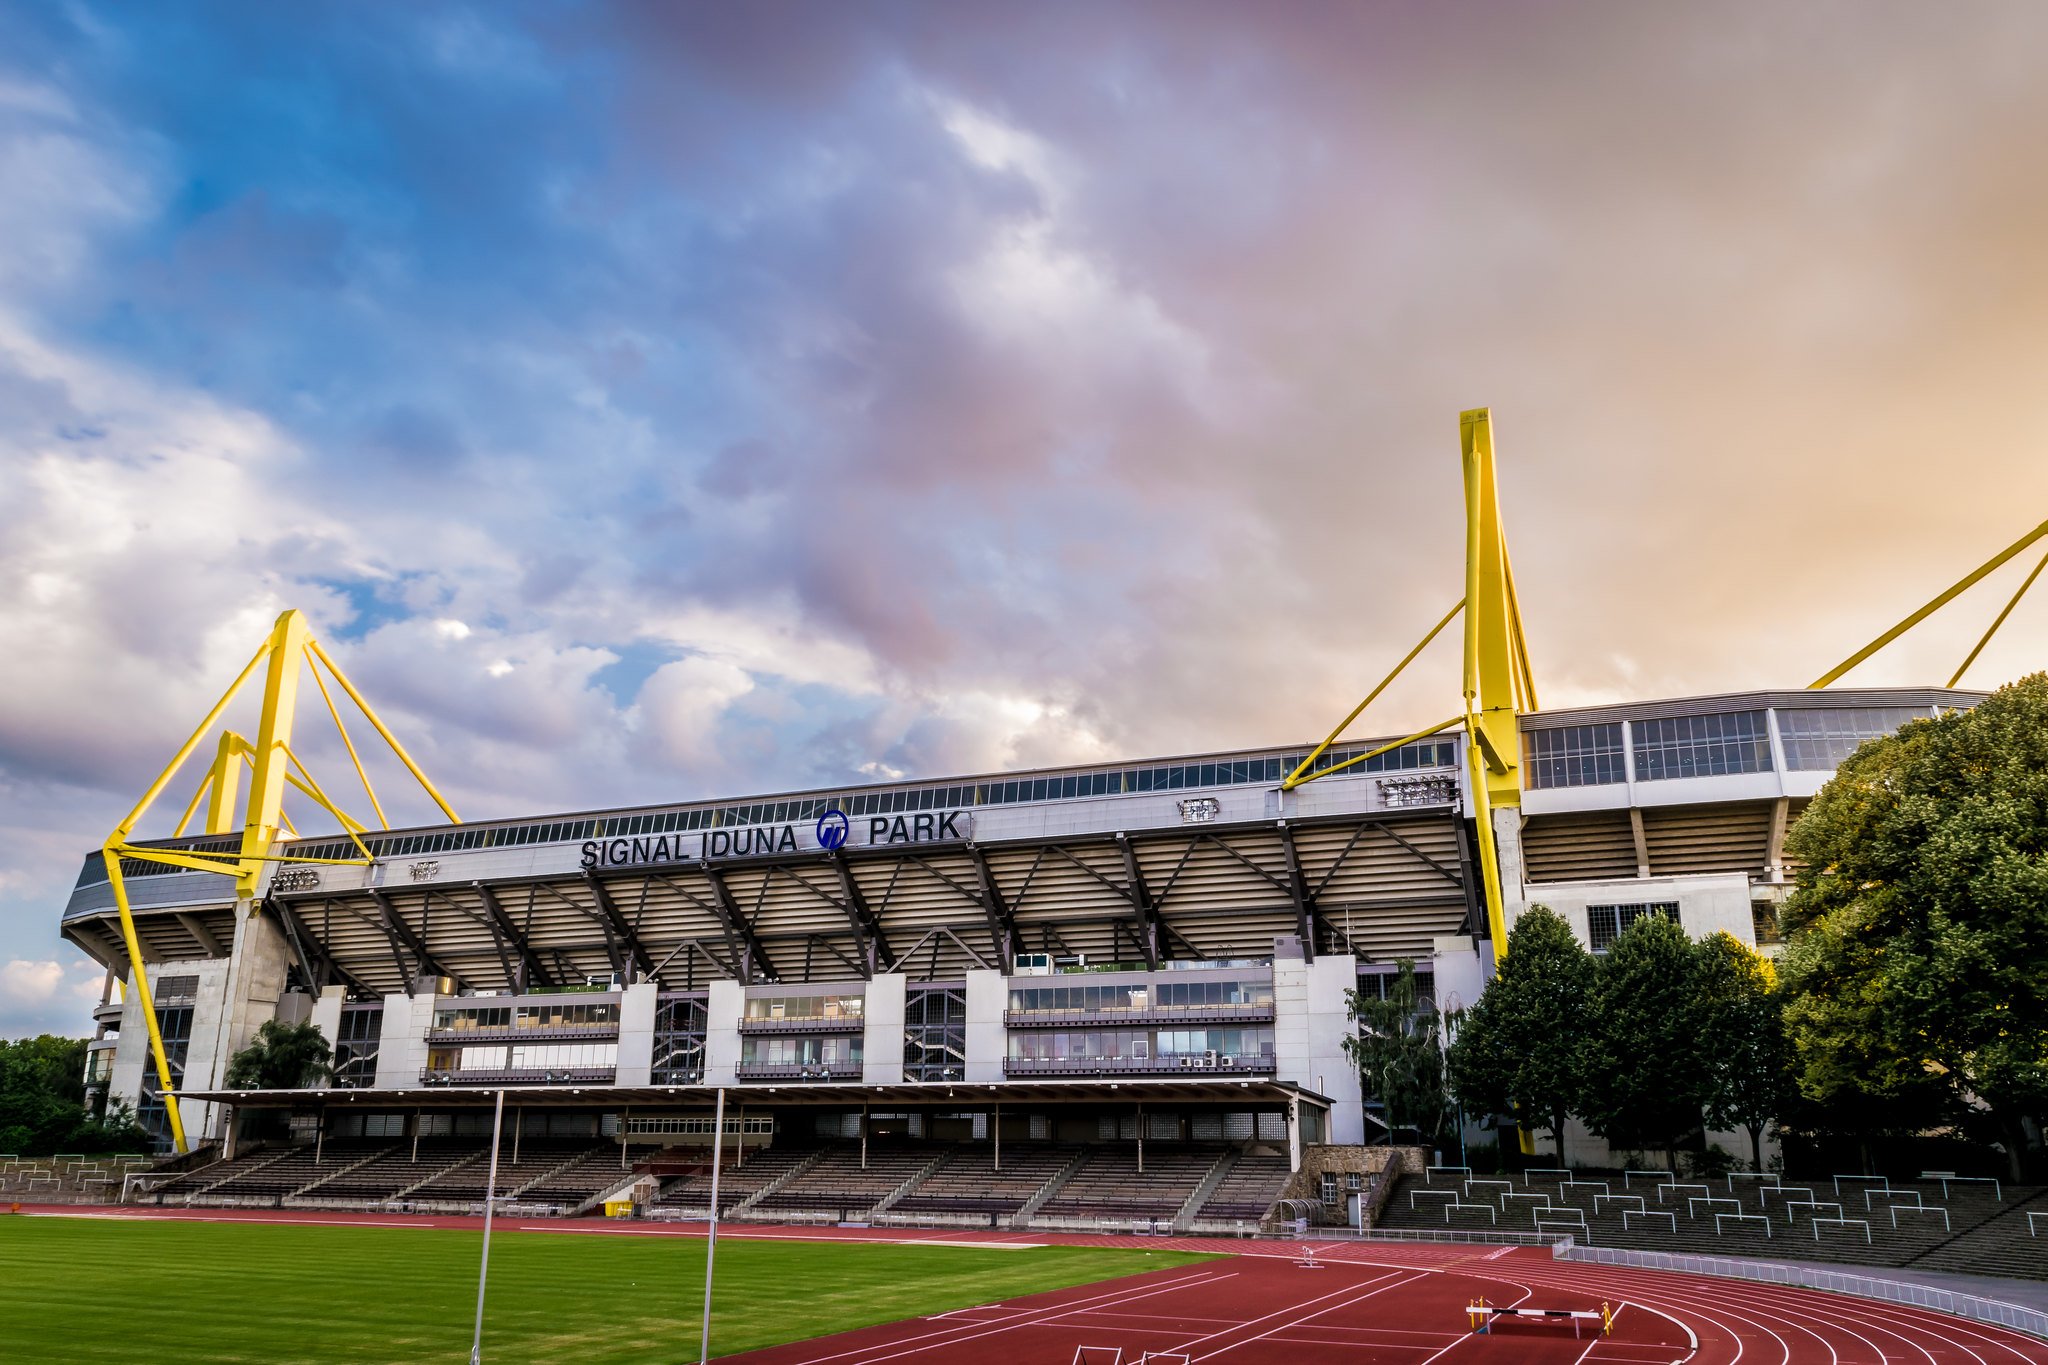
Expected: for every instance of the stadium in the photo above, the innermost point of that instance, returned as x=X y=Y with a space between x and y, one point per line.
x=1106 y=1001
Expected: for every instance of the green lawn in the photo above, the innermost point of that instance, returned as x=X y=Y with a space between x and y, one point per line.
x=76 y=1289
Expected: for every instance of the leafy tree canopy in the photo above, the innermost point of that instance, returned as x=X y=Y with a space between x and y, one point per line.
x=1399 y=1052
x=281 y=1057
x=1920 y=952
x=1648 y=1055
x=1519 y=1047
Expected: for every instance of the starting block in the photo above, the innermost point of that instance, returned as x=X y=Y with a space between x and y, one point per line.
x=1484 y=1315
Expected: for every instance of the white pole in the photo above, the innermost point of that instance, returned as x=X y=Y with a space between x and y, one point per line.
x=476 y=1342
x=711 y=1243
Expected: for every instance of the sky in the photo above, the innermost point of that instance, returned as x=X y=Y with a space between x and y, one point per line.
x=657 y=401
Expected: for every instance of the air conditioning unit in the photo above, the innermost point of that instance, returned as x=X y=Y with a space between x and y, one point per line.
x=1186 y=1062
x=1209 y=1059
x=1034 y=964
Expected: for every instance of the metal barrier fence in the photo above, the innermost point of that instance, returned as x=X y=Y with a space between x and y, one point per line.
x=1997 y=1312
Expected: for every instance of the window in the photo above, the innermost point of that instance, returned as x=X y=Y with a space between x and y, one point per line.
x=1575 y=756
x=1763 y=918
x=1605 y=923
x=935 y=1034
x=1820 y=739
x=1329 y=1187
x=1702 y=746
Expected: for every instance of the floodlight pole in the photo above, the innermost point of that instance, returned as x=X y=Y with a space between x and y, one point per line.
x=711 y=1242
x=476 y=1341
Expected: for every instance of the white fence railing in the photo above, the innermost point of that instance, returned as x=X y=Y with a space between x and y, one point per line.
x=1997 y=1312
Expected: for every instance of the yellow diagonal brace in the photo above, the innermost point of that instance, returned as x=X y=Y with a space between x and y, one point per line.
x=313 y=666
x=1295 y=779
x=1939 y=602
x=1993 y=629
x=127 y=826
x=194 y=862
x=112 y=853
x=205 y=786
x=1371 y=753
x=389 y=738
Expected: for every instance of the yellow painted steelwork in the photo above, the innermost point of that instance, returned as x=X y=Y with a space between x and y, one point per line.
x=1968 y=581
x=1498 y=682
x=274 y=767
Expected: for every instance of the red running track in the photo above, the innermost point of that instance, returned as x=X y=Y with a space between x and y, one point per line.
x=1401 y=1304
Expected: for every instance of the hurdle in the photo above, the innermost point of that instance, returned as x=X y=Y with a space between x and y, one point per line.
x=1692 y=1206
x=1484 y=1315
x=1525 y=1194
x=1502 y=1185
x=1896 y=1209
x=1742 y=1218
x=1768 y=1177
x=1783 y=1191
x=1666 y=1214
x=1529 y=1176
x=1913 y=1195
x=1845 y=1224
x=1098 y=1355
x=1622 y=1199
x=1492 y=1213
x=1882 y=1182
x=1414 y=1195
x=1652 y=1177
x=1948 y=1178
x=1308 y=1259
x=1674 y=1187
x=2033 y=1229
x=1599 y=1185
x=1815 y=1204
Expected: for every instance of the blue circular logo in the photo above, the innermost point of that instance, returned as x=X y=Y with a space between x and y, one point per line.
x=832 y=829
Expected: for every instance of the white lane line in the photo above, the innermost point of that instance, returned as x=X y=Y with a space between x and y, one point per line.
x=1298 y=1321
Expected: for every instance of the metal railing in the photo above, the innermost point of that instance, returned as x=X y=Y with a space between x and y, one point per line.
x=798 y=1071
x=1997 y=1312
x=1152 y=1014
x=534 y=1075
x=818 y=1024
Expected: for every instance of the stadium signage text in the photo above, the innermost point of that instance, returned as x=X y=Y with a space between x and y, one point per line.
x=832 y=830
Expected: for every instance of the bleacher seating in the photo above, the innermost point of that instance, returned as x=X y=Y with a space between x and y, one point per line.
x=1247 y=1192
x=393 y=1172
x=67 y=1179
x=272 y=1175
x=464 y=1184
x=1108 y=1183
x=969 y=1183
x=582 y=1178
x=839 y=1185
x=736 y=1182
x=1968 y=1228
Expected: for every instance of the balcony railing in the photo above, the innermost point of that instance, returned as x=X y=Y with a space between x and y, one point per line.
x=1156 y=1014
x=552 y=1033
x=1171 y=1063
x=818 y=1025
x=525 y=1075
x=799 y=1071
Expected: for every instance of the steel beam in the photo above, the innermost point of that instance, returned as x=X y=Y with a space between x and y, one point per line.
x=753 y=957
x=401 y=932
x=867 y=928
x=1297 y=888
x=1146 y=914
x=1002 y=921
x=641 y=960
x=532 y=970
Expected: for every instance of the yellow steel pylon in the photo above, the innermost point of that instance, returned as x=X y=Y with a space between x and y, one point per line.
x=273 y=767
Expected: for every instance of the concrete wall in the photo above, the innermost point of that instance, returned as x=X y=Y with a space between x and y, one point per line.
x=988 y=995
x=1707 y=904
x=636 y=1033
x=882 y=1041
x=327 y=1013
x=723 y=1003
x=402 y=1043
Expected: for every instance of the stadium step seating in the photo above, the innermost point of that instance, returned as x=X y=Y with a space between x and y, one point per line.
x=1109 y=1184
x=968 y=1183
x=268 y=1176
x=388 y=1174
x=463 y=1183
x=1246 y=1193
x=1982 y=1233
x=67 y=1179
x=839 y=1186
x=691 y=1194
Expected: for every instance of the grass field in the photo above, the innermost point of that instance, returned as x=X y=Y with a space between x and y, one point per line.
x=75 y=1289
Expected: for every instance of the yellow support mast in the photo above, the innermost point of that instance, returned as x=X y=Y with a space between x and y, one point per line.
x=274 y=767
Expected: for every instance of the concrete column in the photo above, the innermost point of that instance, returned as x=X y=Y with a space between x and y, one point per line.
x=988 y=995
x=327 y=1013
x=636 y=1033
x=723 y=1003
x=882 y=1040
x=402 y=1042
x=1514 y=875
x=1330 y=1071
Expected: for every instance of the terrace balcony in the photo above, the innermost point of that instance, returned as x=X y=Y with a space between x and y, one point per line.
x=525 y=1075
x=798 y=1071
x=556 y=1033
x=1165 y=1064
x=812 y=1025
x=1168 y=1015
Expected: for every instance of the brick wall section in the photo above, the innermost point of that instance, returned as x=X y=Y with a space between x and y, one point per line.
x=1306 y=1183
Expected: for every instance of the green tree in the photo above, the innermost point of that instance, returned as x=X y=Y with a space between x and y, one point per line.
x=1920 y=920
x=1750 y=1058
x=1519 y=1047
x=1398 y=1047
x=281 y=1057
x=1647 y=1055
x=42 y=1095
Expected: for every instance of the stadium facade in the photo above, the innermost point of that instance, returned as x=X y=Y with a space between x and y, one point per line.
x=1156 y=950
x=1174 y=937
